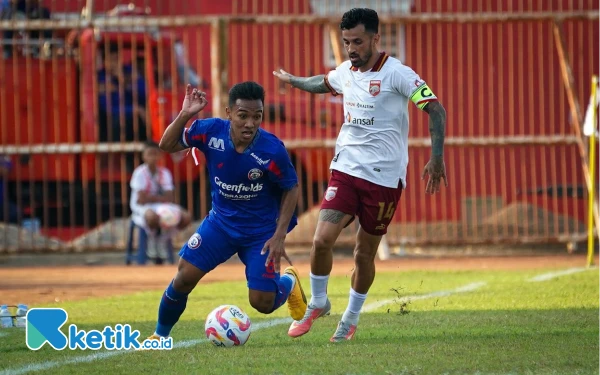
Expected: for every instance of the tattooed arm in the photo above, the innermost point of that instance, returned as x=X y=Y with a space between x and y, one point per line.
x=314 y=84
x=437 y=127
x=436 y=168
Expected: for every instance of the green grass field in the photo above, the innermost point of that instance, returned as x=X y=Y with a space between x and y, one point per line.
x=467 y=322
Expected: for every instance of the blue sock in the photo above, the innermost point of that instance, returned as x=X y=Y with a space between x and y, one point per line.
x=284 y=287
x=171 y=307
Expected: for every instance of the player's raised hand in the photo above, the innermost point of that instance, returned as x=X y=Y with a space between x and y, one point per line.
x=283 y=75
x=276 y=248
x=194 y=102
x=436 y=169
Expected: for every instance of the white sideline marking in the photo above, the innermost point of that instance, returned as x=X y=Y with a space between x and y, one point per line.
x=552 y=275
x=103 y=355
x=186 y=344
x=442 y=293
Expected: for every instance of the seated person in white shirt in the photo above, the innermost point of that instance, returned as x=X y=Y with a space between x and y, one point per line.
x=152 y=204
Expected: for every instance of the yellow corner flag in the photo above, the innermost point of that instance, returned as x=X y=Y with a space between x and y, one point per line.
x=590 y=130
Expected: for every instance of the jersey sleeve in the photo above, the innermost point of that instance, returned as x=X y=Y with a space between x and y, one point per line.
x=281 y=170
x=195 y=135
x=166 y=180
x=409 y=84
x=333 y=81
x=138 y=180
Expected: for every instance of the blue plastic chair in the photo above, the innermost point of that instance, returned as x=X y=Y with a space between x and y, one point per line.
x=142 y=245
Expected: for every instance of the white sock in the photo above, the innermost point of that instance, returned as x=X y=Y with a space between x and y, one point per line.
x=354 y=306
x=318 y=289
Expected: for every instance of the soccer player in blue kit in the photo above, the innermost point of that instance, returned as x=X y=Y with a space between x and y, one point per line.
x=254 y=189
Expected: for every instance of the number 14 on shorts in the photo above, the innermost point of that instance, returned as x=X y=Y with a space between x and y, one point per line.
x=386 y=213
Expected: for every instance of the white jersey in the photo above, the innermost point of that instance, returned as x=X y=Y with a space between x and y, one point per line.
x=373 y=140
x=143 y=180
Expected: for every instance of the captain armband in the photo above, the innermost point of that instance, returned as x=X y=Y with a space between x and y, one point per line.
x=423 y=95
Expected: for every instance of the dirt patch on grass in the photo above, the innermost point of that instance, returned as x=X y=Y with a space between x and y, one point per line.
x=37 y=285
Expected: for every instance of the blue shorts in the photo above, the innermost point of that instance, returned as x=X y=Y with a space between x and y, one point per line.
x=211 y=246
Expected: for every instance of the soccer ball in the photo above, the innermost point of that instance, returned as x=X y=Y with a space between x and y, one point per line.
x=227 y=326
x=169 y=216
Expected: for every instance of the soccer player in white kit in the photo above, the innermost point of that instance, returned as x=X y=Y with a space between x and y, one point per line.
x=368 y=171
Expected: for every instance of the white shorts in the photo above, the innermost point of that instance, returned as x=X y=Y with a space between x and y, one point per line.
x=137 y=212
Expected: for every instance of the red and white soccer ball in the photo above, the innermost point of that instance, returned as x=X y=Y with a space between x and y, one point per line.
x=228 y=326
x=169 y=216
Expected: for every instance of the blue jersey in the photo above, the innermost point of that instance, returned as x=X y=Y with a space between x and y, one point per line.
x=246 y=188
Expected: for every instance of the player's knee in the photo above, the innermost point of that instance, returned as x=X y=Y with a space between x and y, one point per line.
x=152 y=219
x=187 y=277
x=323 y=243
x=262 y=302
x=186 y=219
x=262 y=307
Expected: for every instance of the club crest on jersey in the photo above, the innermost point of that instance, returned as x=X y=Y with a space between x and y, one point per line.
x=194 y=241
x=375 y=87
x=254 y=174
x=330 y=193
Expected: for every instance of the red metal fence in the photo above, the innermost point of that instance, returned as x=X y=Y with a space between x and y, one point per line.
x=514 y=80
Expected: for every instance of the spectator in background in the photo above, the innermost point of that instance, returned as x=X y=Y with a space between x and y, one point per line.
x=21 y=10
x=12 y=212
x=111 y=104
x=152 y=193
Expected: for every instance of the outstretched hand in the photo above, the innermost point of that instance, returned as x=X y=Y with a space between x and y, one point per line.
x=436 y=169
x=194 y=102
x=283 y=75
